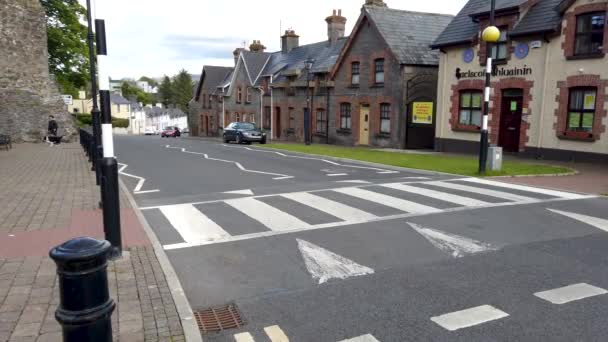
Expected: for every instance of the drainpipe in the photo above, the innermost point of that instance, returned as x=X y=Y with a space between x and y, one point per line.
x=327 y=111
x=261 y=107
x=271 y=109
x=542 y=104
x=223 y=111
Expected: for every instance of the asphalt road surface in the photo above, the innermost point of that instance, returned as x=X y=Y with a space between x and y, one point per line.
x=316 y=249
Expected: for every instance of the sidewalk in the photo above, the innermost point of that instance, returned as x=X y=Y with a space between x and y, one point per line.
x=48 y=196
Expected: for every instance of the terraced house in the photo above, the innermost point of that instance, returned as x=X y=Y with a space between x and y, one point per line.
x=376 y=87
x=549 y=81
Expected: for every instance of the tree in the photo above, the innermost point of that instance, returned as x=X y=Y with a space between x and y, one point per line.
x=182 y=89
x=132 y=92
x=67 y=44
x=165 y=91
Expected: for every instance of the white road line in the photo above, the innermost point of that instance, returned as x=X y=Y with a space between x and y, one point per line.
x=596 y=222
x=389 y=201
x=269 y=216
x=140 y=183
x=570 y=293
x=481 y=191
x=444 y=196
x=354 y=181
x=336 y=174
x=324 y=265
x=469 y=317
x=387 y=172
x=192 y=225
x=276 y=334
x=548 y=192
x=342 y=224
x=145 y=192
x=362 y=338
x=457 y=246
x=239 y=192
x=339 y=210
x=243 y=337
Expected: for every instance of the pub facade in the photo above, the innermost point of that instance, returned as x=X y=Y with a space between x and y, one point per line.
x=549 y=80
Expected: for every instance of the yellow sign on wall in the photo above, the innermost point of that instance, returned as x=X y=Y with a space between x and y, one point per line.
x=422 y=113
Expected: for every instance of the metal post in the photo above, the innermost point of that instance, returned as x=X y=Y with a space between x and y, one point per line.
x=483 y=144
x=95 y=110
x=109 y=165
x=85 y=307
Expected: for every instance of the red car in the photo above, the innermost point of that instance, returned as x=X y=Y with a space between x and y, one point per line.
x=170 y=131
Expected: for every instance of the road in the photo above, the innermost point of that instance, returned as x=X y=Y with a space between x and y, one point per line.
x=315 y=249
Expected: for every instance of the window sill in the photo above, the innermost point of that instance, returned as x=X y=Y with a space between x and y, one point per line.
x=383 y=135
x=466 y=128
x=377 y=85
x=354 y=86
x=344 y=131
x=579 y=57
x=577 y=136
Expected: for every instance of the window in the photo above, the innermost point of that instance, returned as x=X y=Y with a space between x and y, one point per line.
x=252 y=117
x=581 y=109
x=239 y=95
x=345 y=116
x=321 y=121
x=238 y=117
x=589 y=39
x=118 y=108
x=266 y=120
x=500 y=48
x=248 y=95
x=292 y=119
x=470 y=108
x=385 y=118
x=379 y=69
x=355 y=72
x=245 y=117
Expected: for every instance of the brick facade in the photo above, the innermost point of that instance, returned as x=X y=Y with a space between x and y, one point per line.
x=507 y=21
x=455 y=104
x=569 y=27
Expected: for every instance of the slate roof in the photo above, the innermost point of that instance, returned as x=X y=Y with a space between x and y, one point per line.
x=117 y=99
x=409 y=34
x=254 y=62
x=544 y=16
x=156 y=111
x=211 y=77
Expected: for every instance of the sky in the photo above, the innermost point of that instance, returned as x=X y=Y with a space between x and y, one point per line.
x=155 y=38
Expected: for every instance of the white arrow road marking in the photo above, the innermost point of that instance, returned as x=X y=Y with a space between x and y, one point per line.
x=140 y=183
x=324 y=265
x=362 y=338
x=597 y=222
x=240 y=192
x=241 y=167
x=457 y=246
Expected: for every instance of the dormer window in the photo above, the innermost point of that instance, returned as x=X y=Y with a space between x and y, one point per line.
x=500 y=48
x=589 y=38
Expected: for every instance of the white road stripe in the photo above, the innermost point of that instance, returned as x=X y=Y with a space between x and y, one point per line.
x=239 y=192
x=482 y=191
x=444 y=196
x=389 y=201
x=339 y=210
x=570 y=293
x=336 y=174
x=192 y=225
x=269 y=216
x=275 y=334
x=457 y=246
x=596 y=222
x=548 y=192
x=145 y=192
x=362 y=338
x=354 y=181
x=469 y=317
x=243 y=337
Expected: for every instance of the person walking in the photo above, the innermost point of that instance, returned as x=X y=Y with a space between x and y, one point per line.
x=52 y=129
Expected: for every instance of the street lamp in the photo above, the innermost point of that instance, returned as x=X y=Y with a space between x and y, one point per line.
x=308 y=63
x=490 y=35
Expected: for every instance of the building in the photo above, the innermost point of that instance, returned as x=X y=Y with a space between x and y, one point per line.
x=550 y=74
x=206 y=107
x=361 y=89
x=121 y=107
x=147 y=87
x=137 y=119
x=159 y=118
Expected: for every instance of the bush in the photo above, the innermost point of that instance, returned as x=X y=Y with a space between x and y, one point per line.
x=86 y=120
x=122 y=123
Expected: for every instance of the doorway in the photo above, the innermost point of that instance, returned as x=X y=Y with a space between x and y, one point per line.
x=364 y=125
x=277 y=123
x=510 y=119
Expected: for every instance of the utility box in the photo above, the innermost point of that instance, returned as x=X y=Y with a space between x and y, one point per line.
x=494 y=158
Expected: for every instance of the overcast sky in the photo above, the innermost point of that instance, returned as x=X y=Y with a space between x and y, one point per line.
x=155 y=37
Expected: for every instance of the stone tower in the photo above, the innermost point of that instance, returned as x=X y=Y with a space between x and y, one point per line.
x=378 y=3
x=336 y=25
x=28 y=94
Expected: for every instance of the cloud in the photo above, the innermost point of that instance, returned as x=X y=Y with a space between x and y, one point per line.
x=192 y=47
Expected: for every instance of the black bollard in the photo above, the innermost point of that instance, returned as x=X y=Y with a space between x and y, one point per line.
x=86 y=308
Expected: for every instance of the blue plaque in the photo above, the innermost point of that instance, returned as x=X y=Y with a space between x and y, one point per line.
x=522 y=50
x=468 y=55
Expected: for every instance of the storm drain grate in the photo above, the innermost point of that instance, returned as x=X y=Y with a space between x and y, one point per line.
x=219 y=318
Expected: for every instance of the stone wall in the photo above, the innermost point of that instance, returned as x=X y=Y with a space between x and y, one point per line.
x=28 y=94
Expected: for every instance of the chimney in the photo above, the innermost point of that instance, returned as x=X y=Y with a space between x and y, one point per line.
x=377 y=3
x=257 y=46
x=289 y=41
x=236 y=53
x=336 y=25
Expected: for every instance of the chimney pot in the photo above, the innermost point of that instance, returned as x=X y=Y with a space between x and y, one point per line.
x=336 y=26
x=289 y=41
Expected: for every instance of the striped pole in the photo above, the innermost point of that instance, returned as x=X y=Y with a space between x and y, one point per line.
x=109 y=192
x=484 y=144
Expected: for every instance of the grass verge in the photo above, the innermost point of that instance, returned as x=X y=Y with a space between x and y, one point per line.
x=466 y=166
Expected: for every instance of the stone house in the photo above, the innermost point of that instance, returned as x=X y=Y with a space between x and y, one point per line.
x=121 y=107
x=549 y=80
x=205 y=109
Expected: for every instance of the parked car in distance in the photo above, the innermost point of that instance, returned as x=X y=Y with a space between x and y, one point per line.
x=150 y=131
x=171 y=131
x=243 y=132
x=186 y=130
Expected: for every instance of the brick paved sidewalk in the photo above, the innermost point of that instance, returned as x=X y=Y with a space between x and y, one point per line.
x=48 y=196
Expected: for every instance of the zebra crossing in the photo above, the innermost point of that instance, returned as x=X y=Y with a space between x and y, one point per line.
x=197 y=223
x=276 y=334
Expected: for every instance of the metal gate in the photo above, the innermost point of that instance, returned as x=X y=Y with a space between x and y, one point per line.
x=421 y=93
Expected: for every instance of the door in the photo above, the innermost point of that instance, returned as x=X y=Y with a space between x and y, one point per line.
x=420 y=128
x=277 y=124
x=206 y=125
x=510 y=120
x=364 y=125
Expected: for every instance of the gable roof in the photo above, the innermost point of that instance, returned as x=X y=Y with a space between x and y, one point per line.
x=117 y=99
x=254 y=62
x=211 y=76
x=542 y=17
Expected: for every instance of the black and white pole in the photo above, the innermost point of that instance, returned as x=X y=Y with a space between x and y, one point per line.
x=490 y=35
x=95 y=110
x=109 y=165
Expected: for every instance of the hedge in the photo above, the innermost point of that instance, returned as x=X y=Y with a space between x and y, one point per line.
x=87 y=120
